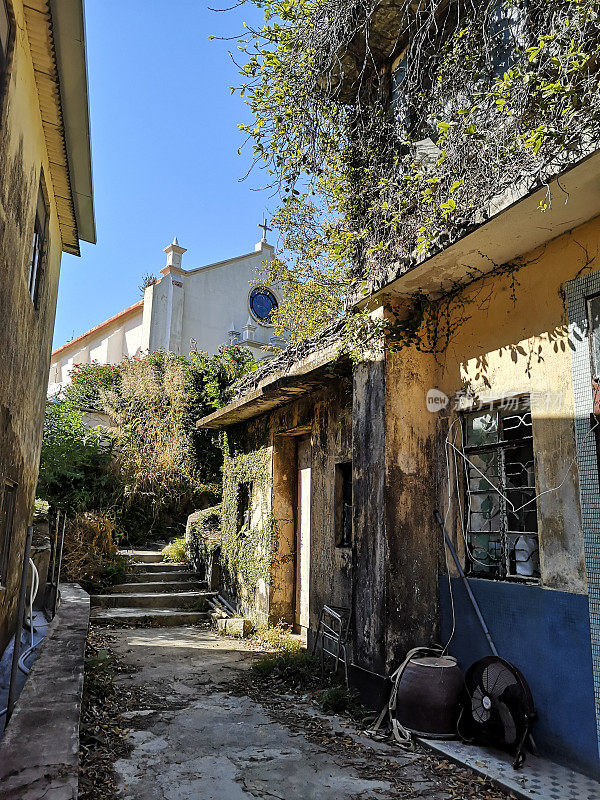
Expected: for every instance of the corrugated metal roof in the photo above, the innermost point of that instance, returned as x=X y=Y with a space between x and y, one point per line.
x=39 y=31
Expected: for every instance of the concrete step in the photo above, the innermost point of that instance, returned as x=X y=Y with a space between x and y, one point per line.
x=158 y=587
x=192 y=601
x=143 y=556
x=164 y=566
x=160 y=617
x=173 y=576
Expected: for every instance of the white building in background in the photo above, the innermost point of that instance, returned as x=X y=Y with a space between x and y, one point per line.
x=220 y=303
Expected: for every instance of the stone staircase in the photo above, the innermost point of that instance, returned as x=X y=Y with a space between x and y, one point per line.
x=158 y=593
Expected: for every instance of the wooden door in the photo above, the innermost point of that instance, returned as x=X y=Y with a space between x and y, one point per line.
x=303 y=534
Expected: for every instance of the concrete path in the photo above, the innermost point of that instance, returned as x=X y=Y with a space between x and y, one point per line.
x=205 y=740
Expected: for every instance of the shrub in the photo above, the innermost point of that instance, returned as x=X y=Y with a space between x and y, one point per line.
x=175 y=551
x=90 y=555
x=167 y=466
x=89 y=382
x=279 y=638
x=75 y=466
x=338 y=700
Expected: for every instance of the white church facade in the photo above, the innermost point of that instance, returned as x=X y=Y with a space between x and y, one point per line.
x=203 y=308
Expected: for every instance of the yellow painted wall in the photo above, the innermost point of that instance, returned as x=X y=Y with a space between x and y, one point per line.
x=512 y=338
x=25 y=332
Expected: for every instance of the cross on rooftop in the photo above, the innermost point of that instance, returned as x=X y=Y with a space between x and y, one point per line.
x=265 y=228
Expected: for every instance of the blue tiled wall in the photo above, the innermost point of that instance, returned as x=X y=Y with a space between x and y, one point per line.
x=546 y=634
x=576 y=292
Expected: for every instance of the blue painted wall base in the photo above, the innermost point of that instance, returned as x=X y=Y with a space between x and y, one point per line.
x=546 y=635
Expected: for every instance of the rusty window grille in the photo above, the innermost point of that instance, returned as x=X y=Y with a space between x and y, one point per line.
x=7 y=515
x=36 y=261
x=501 y=506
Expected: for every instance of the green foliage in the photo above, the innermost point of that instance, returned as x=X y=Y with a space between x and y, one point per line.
x=75 y=467
x=341 y=700
x=153 y=467
x=89 y=382
x=168 y=467
x=204 y=536
x=147 y=280
x=277 y=637
x=246 y=553
x=378 y=171
x=175 y=551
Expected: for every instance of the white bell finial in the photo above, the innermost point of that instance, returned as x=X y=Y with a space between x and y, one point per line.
x=174 y=253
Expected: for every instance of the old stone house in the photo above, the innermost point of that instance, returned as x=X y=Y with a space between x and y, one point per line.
x=335 y=467
x=46 y=208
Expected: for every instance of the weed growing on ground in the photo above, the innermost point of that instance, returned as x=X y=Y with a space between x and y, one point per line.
x=277 y=637
x=299 y=670
x=341 y=700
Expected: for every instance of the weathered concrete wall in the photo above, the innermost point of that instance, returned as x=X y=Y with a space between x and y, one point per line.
x=25 y=333
x=510 y=338
x=413 y=544
x=369 y=523
x=515 y=342
x=326 y=416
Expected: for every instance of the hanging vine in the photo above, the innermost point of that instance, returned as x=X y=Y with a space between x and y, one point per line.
x=390 y=128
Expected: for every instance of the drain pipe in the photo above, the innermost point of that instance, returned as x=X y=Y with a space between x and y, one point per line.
x=12 y=691
x=466 y=584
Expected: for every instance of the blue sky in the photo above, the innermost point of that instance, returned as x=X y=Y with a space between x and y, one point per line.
x=164 y=150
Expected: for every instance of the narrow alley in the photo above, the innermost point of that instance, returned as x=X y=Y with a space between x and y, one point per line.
x=196 y=723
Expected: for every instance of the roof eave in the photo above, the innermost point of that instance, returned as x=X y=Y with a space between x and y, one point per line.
x=308 y=375
x=514 y=225
x=68 y=25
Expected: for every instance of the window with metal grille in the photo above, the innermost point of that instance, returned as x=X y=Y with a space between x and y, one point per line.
x=501 y=507
x=7 y=514
x=5 y=34
x=36 y=261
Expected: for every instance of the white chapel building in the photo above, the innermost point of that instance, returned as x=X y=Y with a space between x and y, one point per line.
x=201 y=308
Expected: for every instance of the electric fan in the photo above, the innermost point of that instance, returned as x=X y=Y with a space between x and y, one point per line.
x=497 y=707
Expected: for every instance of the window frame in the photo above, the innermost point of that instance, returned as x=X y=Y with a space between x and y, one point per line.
x=8 y=504
x=256 y=291
x=244 y=515
x=37 y=258
x=343 y=539
x=501 y=571
x=6 y=55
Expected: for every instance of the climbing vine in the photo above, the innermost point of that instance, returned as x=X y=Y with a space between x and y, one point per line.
x=203 y=536
x=247 y=549
x=391 y=129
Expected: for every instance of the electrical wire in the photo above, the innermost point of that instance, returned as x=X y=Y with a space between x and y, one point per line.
x=458 y=452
